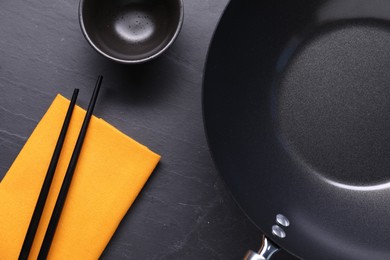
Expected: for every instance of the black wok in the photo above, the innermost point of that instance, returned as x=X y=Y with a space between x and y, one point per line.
x=296 y=104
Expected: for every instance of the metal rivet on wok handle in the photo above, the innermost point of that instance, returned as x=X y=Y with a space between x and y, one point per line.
x=265 y=253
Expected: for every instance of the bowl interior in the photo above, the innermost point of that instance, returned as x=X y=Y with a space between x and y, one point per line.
x=130 y=30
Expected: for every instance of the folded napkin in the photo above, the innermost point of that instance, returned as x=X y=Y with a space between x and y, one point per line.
x=111 y=171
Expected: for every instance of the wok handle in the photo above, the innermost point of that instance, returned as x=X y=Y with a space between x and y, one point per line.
x=265 y=253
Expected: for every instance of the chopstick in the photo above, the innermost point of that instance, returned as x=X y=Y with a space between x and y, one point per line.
x=49 y=235
x=33 y=226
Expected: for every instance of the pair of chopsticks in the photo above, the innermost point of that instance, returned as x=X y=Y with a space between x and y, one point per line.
x=49 y=235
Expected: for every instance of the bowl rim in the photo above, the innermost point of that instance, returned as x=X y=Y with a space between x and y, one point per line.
x=131 y=61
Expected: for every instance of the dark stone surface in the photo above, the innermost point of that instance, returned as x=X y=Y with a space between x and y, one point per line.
x=184 y=211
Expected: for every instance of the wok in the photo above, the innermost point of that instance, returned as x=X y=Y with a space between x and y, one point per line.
x=296 y=103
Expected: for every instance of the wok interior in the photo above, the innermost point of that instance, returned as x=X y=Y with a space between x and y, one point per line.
x=333 y=103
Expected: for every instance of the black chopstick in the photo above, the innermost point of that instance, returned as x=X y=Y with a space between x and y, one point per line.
x=32 y=228
x=68 y=177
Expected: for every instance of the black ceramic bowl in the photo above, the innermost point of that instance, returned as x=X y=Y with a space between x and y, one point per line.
x=130 y=31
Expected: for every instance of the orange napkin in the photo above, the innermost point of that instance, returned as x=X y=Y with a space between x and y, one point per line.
x=111 y=171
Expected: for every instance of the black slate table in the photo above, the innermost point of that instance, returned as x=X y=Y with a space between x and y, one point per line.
x=184 y=211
